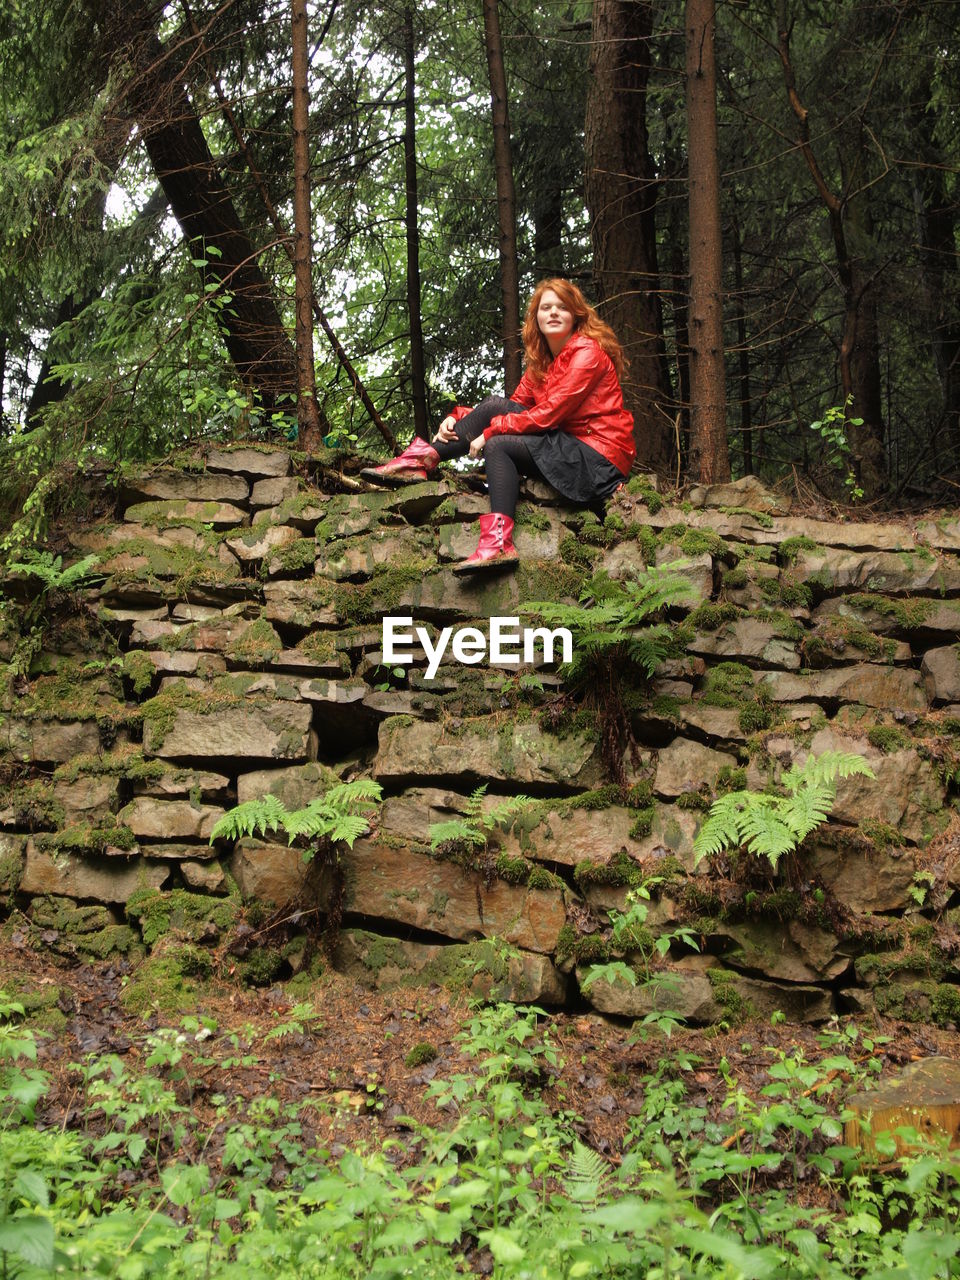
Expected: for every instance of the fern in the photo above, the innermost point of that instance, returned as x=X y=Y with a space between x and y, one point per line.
x=341 y=815
x=772 y=825
x=588 y=1177
x=476 y=824
x=49 y=569
x=605 y=622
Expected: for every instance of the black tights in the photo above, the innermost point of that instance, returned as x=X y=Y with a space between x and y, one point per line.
x=507 y=458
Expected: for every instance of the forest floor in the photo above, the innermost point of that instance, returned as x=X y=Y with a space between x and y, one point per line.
x=348 y=1053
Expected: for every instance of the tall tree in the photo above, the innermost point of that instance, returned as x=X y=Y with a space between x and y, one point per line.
x=308 y=420
x=156 y=96
x=621 y=192
x=709 y=457
x=506 y=196
x=418 y=374
x=850 y=222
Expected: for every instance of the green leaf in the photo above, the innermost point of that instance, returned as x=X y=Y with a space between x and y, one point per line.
x=30 y=1238
x=503 y=1244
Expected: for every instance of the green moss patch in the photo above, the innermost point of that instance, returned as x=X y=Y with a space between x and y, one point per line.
x=188 y=914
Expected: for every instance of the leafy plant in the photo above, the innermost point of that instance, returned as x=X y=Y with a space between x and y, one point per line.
x=619 y=636
x=771 y=825
x=50 y=571
x=832 y=430
x=477 y=823
x=341 y=814
x=629 y=934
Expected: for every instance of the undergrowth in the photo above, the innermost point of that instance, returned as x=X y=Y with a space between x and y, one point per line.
x=128 y=1182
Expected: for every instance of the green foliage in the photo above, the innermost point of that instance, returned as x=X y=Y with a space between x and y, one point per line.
x=137 y=1183
x=474 y=828
x=341 y=814
x=629 y=934
x=49 y=569
x=832 y=430
x=772 y=825
x=611 y=623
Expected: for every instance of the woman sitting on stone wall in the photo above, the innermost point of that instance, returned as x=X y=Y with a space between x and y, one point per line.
x=565 y=423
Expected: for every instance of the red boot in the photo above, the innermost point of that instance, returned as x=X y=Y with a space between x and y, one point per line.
x=412 y=465
x=495 y=549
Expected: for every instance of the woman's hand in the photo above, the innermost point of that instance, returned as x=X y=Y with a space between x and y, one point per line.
x=447 y=430
x=476 y=446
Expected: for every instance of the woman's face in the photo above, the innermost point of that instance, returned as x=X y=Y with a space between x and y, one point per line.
x=555 y=320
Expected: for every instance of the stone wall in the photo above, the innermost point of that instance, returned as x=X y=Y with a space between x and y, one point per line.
x=233 y=649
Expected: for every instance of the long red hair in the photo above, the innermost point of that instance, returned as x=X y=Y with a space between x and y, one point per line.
x=585 y=321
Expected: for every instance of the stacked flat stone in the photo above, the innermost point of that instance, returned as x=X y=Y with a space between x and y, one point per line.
x=245 y=605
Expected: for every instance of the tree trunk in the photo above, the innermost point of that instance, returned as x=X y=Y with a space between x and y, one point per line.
x=506 y=197
x=310 y=436
x=258 y=344
x=743 y=358
x=418 y=376
x=620 y=189
x=709 y=459
x=548 y=230
x=859 y=346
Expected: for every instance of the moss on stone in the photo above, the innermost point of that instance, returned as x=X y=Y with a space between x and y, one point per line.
x=732 y=679
x=35 y=807
x=908 y=612
x=786 y=590
x=735 y=1007
x=190 y=914
x=730 y=778
x=791 y=548
x=762 y=517
x=573 y=551
x=591 y=948
x=642 y=824
x=887 y=738
x=880 y=834
x=945 y=1005
x=84 y=838
x=698 y=542
x=379 y=952
x=755 y=716
x=295 y=556
x=512 y=870
x=734 y=579
x=262 y=967
x=620 y=870
x=549 y=580
x=257 y=643
x=112 y=939
x=641 y=488
x=139 y=670
x=168 y=981
x=541 y=878
x=381 y=594
x=127 y=762
x=695 y=800
x=420 y=1054
x=711 y=617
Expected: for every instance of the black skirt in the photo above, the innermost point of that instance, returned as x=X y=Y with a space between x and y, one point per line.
x=571 y=467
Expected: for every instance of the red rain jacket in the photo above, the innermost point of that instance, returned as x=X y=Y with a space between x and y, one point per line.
x=580 y=393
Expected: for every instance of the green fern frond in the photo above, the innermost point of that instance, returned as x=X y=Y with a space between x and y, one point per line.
x=588 y=1175
x=250 y=818
x=455 y=829
x=772 y=825
x=721 y=829
x=340 y=814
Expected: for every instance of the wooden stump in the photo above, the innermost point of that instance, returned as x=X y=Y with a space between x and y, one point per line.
x=924 y=1095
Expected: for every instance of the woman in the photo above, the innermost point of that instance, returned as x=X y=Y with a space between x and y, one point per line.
x=565 y=423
